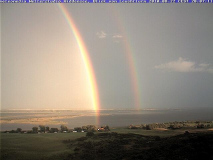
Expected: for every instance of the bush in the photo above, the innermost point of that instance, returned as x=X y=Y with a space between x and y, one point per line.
x=200 y=126
x=157 y=138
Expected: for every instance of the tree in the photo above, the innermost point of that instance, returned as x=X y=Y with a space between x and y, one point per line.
x=78 y=129
x=91 y=128
x=12 y=131
x=47 y=128
x=149 y=127
x=35 y=129
x=64 y=128
x=106 y=128
x=84 y=128
x=54 y=130
x=18 y=130
x=42 y=128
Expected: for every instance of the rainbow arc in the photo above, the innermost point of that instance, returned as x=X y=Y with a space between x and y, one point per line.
x=86 y=59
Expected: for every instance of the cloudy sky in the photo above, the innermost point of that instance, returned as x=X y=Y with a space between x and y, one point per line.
x=161 y=54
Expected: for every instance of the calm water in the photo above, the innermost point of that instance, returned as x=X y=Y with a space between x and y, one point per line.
x=113 y=118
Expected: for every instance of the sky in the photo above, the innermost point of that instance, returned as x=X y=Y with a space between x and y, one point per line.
x=143 y=56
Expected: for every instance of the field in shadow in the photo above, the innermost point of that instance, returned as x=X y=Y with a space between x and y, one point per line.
x=133 y=146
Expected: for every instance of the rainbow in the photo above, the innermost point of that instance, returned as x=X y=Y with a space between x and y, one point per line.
x=86 y=59
x=133 y=72
x=130 y=59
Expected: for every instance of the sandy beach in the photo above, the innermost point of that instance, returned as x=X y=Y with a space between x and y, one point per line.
x=39 y=120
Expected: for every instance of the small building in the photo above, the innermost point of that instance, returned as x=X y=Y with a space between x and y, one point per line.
x=101 y=129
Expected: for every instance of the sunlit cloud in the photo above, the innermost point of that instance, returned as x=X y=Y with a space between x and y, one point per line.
x=101 y=34
x=183 y=65
x=117 y=36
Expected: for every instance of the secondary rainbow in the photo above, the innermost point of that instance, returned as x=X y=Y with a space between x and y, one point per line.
x=133 y=72
x=130 y=58
x=86 y=59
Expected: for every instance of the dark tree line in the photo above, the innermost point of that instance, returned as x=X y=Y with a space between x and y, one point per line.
x=63 y=128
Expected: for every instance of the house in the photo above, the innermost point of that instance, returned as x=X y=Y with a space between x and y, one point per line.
x=104 y=128
x=101 y=129
x=134 y=126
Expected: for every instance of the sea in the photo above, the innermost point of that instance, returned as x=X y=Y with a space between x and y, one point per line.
x=113 y=118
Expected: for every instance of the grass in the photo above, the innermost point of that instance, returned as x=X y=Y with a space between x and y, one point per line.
x=166 y=133
x=35 y=146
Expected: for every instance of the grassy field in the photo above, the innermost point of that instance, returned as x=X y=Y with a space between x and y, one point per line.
x=161 y=133
x=50 y=145
x=35 y=146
